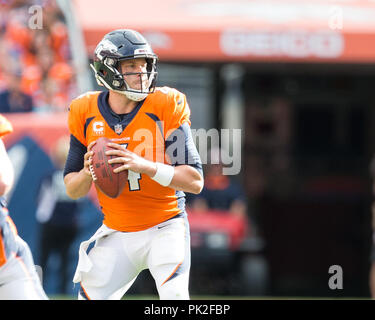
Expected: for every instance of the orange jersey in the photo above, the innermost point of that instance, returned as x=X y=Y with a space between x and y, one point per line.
x=144 y=203
x=5 y=126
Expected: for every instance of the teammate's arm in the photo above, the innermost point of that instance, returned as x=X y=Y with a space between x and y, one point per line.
x=6 y=170
x=77 y=177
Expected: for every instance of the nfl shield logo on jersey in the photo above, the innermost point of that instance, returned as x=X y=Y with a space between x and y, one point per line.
x=118 y=128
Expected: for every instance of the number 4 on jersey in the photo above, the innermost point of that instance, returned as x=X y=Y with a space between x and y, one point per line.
x=133 y=177
x=133 y=180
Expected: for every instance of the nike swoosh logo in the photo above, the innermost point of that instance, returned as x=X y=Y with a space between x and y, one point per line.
x=160 y=227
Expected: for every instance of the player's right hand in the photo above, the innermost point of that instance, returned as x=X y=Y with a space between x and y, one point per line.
x=88 y=159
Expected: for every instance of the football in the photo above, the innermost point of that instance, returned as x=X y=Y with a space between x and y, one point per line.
x=109 y=182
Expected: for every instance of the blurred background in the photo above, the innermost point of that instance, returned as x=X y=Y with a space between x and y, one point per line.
x=297 y=77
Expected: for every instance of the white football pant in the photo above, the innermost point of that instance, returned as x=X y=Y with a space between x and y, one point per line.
x=118 y=257
x=18 y=277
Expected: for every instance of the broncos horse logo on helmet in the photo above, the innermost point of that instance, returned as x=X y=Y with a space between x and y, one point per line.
x=119 y=45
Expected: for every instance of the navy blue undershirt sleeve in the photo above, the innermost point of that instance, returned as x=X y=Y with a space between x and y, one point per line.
x=75 y=159
x=181 y=149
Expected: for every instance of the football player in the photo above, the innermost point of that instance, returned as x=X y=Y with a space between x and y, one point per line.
x=18 y=277
x=146 y=226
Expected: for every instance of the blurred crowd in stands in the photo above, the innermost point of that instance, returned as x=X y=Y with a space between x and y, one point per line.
x=35 y=63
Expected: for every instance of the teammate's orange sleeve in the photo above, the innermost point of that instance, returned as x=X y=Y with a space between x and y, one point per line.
x=5 y=126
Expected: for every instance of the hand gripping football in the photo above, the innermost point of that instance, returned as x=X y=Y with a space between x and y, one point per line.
x=109 y=182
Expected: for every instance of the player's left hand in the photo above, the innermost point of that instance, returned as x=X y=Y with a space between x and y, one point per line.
x=130 y=160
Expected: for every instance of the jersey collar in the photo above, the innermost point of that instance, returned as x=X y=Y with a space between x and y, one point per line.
x=116 y=122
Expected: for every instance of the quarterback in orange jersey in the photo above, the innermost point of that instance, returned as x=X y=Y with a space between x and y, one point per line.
x=18 y=277
x=146 y=226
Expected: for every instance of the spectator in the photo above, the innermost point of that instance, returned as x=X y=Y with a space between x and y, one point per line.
x=13 y=99
x=219 y=191
x=58 y=217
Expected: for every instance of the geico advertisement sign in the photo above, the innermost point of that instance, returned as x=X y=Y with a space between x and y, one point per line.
x=300 y=44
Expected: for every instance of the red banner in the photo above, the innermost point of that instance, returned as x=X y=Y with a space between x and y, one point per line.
x=46 y=129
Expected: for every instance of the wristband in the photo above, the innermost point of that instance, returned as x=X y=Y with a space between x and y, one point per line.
x=164 y=174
